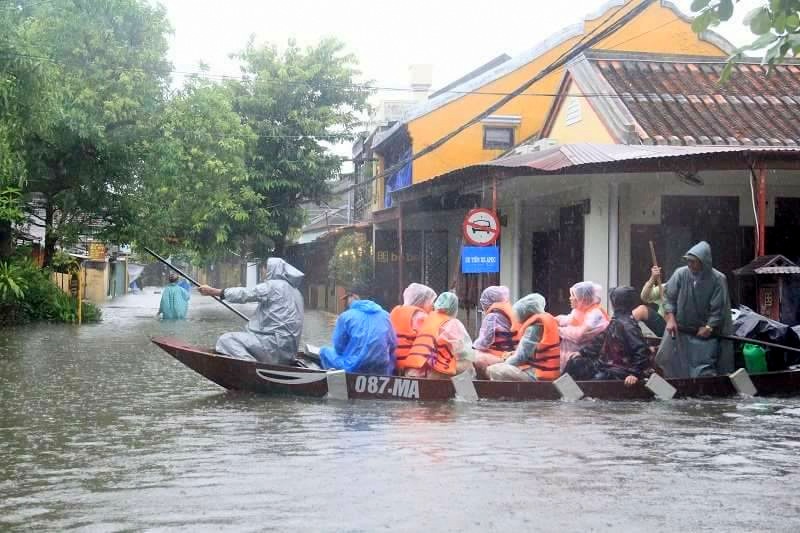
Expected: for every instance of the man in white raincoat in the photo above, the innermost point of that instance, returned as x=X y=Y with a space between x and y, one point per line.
x=273 y=333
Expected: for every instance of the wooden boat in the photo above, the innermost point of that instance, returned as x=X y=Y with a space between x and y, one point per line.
x=251 y=376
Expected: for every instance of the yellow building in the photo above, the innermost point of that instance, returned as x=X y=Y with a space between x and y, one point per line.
x=659 y=28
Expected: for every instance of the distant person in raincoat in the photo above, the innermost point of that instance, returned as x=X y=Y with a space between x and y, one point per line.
x=273 y=333
x=697 y=305
x=363 y=339
x=586 y=321
x=183 y=284
x=443 y=348
x=174 y=300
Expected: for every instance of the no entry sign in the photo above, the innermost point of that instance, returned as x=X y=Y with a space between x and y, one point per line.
x=481 y=227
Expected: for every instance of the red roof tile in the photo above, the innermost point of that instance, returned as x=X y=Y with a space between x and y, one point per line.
x=678 y=99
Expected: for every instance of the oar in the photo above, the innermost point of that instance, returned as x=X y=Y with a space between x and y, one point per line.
x=193 y=282
x=658 y=282
x=691 y=331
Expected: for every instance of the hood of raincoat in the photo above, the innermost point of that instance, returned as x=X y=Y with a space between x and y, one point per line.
x=587 y=293
x=529 y=305
x=447 y=302
x=277 y=268
x=418 y=295
x=494 y=294
x=624 y=299
x=366 y=306
x=702 y=251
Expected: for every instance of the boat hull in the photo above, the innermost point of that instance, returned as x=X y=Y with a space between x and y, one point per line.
x=252 y=376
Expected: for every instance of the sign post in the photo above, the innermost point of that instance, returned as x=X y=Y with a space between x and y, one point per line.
x=481 y=229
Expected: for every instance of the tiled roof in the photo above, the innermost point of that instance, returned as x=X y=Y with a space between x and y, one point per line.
x=678 y=101
x=768 y=264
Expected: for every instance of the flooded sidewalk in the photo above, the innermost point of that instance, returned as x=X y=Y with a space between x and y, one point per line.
x=102 y=431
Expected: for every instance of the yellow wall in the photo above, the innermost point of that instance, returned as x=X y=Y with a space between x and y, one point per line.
x=96 y=281
x=588 y=129
x=657 y=30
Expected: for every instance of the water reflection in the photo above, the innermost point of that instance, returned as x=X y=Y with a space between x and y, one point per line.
x=99 y=430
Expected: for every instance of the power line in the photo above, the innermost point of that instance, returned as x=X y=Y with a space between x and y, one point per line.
x=558 y=63
x=357 y=87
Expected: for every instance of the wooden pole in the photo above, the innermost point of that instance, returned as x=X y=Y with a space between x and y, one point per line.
x=80 y=293
x=400 y=258
x=655 y=264
x=762 y=209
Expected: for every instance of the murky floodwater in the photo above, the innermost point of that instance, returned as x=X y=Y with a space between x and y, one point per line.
x=101 y=431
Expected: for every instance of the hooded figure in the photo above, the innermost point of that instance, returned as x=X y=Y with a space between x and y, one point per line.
x=697 y=303
x=620 y=352
x=174 y=300
x=585 y=322
x=537 y=357
x=363 y=339
x=419 y=295
x=273 y=333
x=496 y=338
x=442 y=338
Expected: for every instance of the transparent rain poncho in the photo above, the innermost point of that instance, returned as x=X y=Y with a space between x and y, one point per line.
x=529 y=305
x=418 y=295
x=453 y=331
x=494 y=294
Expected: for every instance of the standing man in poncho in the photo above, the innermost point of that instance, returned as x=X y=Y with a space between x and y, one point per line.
x=697 y=306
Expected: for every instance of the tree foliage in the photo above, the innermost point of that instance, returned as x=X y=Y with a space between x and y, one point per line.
x=297 y=102
x=198 y=196
x=776 y=25
x=351 y=262
x=104 y=68
x=92 y=141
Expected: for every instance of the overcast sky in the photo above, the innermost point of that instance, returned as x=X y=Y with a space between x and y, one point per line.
x=452 y=35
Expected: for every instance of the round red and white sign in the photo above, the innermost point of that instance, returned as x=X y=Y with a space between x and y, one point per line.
x=481 y=227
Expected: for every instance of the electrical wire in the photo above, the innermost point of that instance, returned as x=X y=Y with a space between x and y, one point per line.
x=559 y=62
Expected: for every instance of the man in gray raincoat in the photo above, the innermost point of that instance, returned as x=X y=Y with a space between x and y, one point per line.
x=697 y=307
x=273 y=333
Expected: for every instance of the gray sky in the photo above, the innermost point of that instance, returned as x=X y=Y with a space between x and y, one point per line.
x=453 y=35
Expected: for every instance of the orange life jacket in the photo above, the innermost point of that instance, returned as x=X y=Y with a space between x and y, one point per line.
x=401 y=318
x=429 y=349
x=547 y=359
x=504 y=341
x=578 y=318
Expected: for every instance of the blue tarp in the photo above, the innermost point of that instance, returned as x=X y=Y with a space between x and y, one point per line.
x=399 y=180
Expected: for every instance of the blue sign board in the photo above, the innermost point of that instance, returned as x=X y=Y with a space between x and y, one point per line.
x=480 y=259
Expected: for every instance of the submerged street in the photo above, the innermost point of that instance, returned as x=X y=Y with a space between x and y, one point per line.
x=101 y=431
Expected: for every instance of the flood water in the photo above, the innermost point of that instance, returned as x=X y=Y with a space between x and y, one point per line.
x=101 y=431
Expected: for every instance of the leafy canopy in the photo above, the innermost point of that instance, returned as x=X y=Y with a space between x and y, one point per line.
x=776 y=25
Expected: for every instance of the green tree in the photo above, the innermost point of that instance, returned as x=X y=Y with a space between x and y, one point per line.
x=351 y=262
x=108 y=60
x=198 y=197
x=26 y=101
x=776 y=25
x=298 y=102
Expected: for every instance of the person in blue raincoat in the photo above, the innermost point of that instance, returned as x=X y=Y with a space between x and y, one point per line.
x=174 y=300
x=363 y=339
